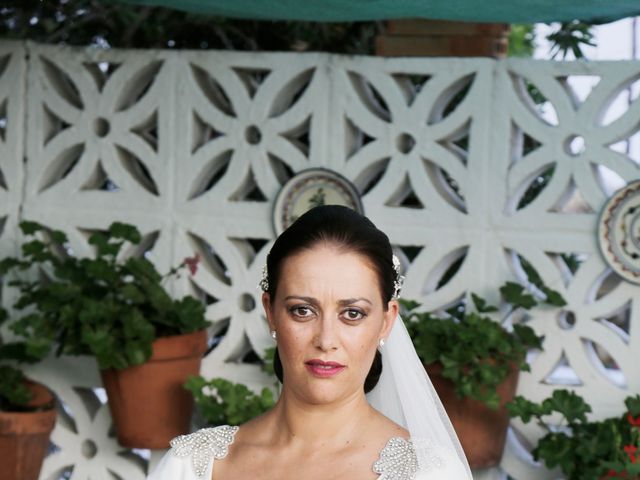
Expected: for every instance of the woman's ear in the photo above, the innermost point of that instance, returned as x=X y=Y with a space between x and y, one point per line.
x=266 y=304
x=389 y=318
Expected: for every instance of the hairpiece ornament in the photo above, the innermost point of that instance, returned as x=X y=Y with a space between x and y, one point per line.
x=264 y=281
x=399 y=281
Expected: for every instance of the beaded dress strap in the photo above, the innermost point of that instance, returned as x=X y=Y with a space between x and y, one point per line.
x=204 y=444
x=398 y=460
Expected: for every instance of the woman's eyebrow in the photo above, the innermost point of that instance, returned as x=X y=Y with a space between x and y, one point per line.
x=305 y=299
x=349 y=301
x=346 y=301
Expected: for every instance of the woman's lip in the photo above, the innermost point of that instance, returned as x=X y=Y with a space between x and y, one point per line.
x=321 y=369
x=317 y=361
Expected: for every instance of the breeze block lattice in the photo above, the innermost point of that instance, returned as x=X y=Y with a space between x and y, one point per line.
x=193 y=148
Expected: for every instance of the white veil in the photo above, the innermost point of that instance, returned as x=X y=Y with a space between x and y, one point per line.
x=406 y=395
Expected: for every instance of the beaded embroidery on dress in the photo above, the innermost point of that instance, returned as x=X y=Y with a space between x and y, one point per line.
x=203 y=445
x=397 y=461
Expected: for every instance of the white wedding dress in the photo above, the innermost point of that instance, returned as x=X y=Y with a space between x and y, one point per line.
x=192 y=456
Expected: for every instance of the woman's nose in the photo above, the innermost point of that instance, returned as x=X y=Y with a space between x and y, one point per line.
x=325 y=338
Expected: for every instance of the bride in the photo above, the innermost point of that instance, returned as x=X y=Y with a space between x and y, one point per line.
x=356 y=402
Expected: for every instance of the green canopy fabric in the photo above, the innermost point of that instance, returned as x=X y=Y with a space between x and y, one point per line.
x=507 y=11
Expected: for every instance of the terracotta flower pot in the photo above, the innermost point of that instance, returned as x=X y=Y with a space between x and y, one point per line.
x=481 y=430
x=24 y=436
x=148 y=402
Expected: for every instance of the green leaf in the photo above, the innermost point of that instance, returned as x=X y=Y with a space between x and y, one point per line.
x=532 y=274
x=125 y=231
x=136 y=326
x=190 y=313
x=515 y=294
x=553 y=297
x=35 y=248
x=136 y=353
x=132 y=293
x=14 y=395
x=142 y=269
x=555 y=449
x=569 y=404
x=19 y=352
x=30 y=228
x=527 y=336
x=37 y=348
x=105 y=247
x=58 y=237
x=633 y=405
x=101 y=344
x=523 y=408
x=492 y=400
x=8 y=264
x=116 y=360
x=481 y=304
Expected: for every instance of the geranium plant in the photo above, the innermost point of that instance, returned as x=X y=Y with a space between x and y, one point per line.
x=106 y=307
x=14 y=394
x=477 y=352
x=27 y=413
x=221 y=402
x=582 y=448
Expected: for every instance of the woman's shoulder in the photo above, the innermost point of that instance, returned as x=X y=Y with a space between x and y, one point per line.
x=399 y=461
x=191 y=456
x=212 y=441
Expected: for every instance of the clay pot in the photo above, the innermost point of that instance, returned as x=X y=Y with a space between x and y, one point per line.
x=24 y=436
x=148 y=402
x=481 y=430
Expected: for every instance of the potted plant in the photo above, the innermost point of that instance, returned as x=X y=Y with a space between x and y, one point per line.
x=474 y=363
x=27 y=414
x=221 y=402
x=145 y=342
x=582 y=448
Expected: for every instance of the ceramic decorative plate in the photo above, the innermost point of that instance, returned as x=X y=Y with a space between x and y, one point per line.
x=312 y=188
x=619 y=232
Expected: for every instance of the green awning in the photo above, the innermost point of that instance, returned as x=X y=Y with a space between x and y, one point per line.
x=507 y=11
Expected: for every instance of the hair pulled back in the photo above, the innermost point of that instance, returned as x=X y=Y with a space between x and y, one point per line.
x=350 y=232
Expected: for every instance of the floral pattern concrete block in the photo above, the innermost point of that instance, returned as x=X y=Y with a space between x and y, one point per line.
x=479 y=171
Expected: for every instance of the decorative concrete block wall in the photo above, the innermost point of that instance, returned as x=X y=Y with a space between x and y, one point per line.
x=193 y=148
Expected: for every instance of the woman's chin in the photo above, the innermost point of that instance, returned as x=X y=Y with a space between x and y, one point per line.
x=324 y=394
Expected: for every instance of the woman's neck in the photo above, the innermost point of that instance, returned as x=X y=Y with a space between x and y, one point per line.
x=312 y=424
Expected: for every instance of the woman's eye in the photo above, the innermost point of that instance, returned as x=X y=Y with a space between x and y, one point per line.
x=354 y=315
x=302 y=311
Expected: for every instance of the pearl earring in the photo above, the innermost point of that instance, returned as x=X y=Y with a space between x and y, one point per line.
x=381 y=342
x=273 y=334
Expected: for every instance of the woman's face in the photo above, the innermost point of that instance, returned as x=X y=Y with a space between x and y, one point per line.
x=329 y=316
